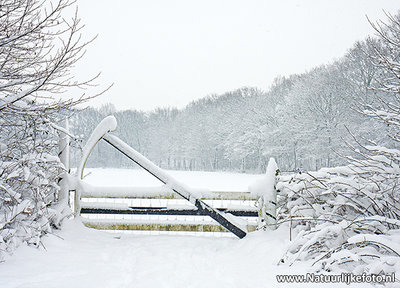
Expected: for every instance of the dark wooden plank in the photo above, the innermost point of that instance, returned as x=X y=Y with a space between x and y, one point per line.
x=160 y=226
x=165 y=211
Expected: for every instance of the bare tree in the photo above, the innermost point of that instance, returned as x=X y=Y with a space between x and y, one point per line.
x=385 y=56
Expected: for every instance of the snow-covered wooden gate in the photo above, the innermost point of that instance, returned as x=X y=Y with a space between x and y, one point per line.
x=90 y=200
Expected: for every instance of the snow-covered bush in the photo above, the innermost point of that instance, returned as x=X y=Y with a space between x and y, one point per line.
x=38 y=47
x=28 y=179
x=345 y=218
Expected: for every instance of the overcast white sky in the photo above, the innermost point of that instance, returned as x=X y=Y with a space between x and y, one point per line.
x=162 y=53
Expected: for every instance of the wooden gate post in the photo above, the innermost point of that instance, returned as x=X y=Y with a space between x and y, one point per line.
x=64 y=155
x=270 y=200
x=265 y=189
x=108 y=124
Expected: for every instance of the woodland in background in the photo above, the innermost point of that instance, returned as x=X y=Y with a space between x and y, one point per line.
x=305 y=121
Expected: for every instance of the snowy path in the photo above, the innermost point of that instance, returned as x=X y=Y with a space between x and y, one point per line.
x=87 y=258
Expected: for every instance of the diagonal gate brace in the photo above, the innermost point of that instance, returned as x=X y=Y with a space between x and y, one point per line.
x=177 y=187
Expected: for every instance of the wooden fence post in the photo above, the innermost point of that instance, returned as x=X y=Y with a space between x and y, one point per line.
x=63 y=154
x=108 y=124
x=265 y=189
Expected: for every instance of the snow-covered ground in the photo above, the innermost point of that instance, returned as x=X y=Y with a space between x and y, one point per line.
x=80 y=257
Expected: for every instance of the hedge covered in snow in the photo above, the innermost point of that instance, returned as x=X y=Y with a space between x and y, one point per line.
x=29 y=170
x=346 y=218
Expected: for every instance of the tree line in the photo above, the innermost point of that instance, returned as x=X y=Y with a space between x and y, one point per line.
x=306 y=121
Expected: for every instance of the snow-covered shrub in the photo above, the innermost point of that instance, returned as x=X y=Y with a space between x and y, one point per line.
x=345 y=218
x=29 y=170
x=38 y=47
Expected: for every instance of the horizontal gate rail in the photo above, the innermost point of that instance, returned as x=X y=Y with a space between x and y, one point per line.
x=158 y=193
x=165 y=211
x=158 y=225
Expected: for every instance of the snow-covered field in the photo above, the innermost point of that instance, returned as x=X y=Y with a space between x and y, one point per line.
x=80 y=257
x=214 y=181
